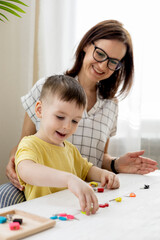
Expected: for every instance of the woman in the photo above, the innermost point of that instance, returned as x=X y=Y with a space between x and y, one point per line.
x=104 y=67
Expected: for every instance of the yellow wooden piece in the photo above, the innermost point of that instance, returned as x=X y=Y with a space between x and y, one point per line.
x=118 y=199
x=93 y=184
x=83 y=212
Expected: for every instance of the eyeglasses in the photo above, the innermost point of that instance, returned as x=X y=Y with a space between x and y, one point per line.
x=101 y=56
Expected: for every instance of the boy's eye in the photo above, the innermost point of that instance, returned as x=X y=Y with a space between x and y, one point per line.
x=74 y=121
x=60 y=118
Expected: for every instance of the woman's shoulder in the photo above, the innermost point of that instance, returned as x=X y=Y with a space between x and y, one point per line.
x=39 y=83
x=111 y=103
x=113 y=100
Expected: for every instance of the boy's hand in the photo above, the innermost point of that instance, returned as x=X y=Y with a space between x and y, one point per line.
x=110 y=179
x=87 y=198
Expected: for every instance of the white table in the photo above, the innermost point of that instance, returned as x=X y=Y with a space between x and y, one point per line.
x=133 y=218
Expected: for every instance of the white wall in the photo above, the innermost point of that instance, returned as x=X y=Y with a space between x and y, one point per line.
x=16 y=57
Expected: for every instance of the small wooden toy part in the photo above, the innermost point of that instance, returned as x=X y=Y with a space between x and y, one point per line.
x=59 y=217
x=104 y=205
x=9 y=217
x=118 y=199
x=145 y=186
x=83 y=212
x=20 y=220
x=93 y=184
x=54 y=217
x=68 y=216
x=14 y=226
x=132 y=194
x=98 y=189
x=63 y=217
x=3 y=219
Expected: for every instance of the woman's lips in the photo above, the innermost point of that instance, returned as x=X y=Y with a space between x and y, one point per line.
x=97 y=71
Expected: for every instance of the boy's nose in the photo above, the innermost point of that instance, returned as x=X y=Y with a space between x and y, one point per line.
x=67 y=125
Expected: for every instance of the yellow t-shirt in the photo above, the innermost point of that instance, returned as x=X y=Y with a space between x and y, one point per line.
x=65 y=158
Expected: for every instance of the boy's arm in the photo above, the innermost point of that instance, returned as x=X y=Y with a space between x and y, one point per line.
x=40 y=175
x=105 y=177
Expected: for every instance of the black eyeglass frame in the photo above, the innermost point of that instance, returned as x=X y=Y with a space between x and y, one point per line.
x=119 y=65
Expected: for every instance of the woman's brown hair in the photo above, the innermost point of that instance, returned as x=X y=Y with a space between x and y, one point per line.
x=122 y=78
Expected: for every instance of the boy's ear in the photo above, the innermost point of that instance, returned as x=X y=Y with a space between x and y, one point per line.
x=38 y=109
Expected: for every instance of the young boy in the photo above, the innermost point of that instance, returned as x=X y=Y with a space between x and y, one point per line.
x=46 y=162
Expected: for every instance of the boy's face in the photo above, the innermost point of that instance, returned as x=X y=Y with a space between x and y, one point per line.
x=59 y=119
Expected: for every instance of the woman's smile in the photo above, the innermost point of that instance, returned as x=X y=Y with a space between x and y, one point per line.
x=97 y=71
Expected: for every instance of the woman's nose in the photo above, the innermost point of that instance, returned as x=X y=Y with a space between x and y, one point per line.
x=103 y=65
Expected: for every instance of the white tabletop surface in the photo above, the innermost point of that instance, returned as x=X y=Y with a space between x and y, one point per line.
x=134 y=218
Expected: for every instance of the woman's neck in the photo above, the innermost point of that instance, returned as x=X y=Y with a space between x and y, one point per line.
x=90 y=91
x=86 y=84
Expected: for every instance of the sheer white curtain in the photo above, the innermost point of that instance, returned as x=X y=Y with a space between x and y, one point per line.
x=139 y=114
x=62 y=23
x=56 y=26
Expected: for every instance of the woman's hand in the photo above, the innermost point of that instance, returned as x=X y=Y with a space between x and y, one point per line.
x=27 y=129
x=87 y=198
x=10 y=170
x=135 y=163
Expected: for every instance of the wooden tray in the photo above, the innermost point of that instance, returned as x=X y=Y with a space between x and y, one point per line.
x=31 y=224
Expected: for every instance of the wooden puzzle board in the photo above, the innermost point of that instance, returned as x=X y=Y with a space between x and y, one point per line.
x=31 y=224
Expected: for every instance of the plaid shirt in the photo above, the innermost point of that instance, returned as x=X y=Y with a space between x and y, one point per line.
x=95 y=127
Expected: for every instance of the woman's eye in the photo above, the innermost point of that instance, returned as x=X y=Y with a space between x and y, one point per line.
x=114 y=62
x=100 y=54
x=60 y=118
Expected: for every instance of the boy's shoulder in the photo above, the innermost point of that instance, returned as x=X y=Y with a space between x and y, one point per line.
x=28 y=141
x=69 y=144
x=71 y=147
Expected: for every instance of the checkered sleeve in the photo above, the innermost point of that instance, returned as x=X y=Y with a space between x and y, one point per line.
x=113 y=130
x=30 y=99
x=95 y=127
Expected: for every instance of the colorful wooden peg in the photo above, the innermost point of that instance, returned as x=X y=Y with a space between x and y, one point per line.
x=99 y=189
x=14 y=226
x=104 y=205
x=132 y=194
x=3 y=219
x=20 y=220
x=118 y=199
x=93 y=184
